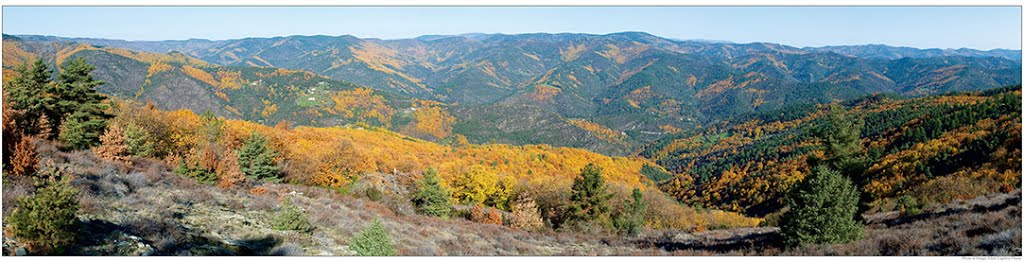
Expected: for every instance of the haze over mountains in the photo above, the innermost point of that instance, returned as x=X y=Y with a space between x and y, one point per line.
x=610 y=93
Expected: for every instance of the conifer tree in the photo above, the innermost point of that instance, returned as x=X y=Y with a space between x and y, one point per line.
x=823 y=209
x=431 y=198
x=257 y=159
x=632 y=220
x=589 y=196
x=373 y=241
x=28 y=93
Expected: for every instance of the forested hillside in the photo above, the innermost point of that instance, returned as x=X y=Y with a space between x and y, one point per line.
x=932 y=150
x=611 y=93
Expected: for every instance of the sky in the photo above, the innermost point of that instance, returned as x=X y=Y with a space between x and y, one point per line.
x=922 y=27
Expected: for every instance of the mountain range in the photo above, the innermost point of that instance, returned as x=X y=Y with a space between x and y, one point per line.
x=610 y=93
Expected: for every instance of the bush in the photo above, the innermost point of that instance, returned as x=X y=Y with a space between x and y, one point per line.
x=525 y=214
x=291 y=217
x=822 y=210
x=486 y=215
x=373 y=241
x=46 y=221
x=431 y=198
x=632 y=220
x=589 y=199
x=907 y=205
x=257 y=159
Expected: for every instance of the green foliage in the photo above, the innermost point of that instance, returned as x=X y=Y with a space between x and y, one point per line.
x=373 y=241
x=291 y=217
x=908 y=205
x=83 y=128
x=27 y=92
x=840 y=135
x=589 y=199
x=655 y=173
x=46 y=220
x=194 y=171
x=431 y=198
x=75 y=92
x=632 y=220
x=257 y=159
x=138 y=142
x=822 y=210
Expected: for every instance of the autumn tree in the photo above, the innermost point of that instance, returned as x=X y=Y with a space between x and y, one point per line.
x=823 y=208
x=257 y=159
x=486 y=215
x=525 y=213
x=24 y=158
x=589 y=199
x=431 y=198
x=112 y=145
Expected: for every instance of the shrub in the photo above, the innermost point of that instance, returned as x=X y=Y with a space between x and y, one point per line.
x=486 y=215
x=525 y=214
x=589 y=199
x=822 y=210
x=46 y=221
x=373 y=241
x=632 y=219
x=257 y=159
x=907 y=205
x=291 y=217
x=374 y=194
x=431 y=198
x=25 y=158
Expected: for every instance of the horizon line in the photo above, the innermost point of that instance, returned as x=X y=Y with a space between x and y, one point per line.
x=507 y=34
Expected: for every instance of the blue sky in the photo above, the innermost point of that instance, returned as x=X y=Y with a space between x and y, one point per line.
x=922 y=27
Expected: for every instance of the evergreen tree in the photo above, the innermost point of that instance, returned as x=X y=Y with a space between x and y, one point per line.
x=431 y=198
x=589 y=197
x=823 y=208
x=28 y=93
x=46 y=220
x=257 y=159
x=840 y=135
x=75 y=92
x=373 y=241
x=83 y=128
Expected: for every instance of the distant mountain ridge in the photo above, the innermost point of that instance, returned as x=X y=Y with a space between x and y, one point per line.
x=609 y=93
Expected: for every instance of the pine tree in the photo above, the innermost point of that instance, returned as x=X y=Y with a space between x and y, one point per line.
x=28 y=93
x=373 y=241
x=75 y=92
x=83 y=128
x=589 y=197
x=257 y=159
x=823 y=208
x=431 y=198
x=840 y=135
